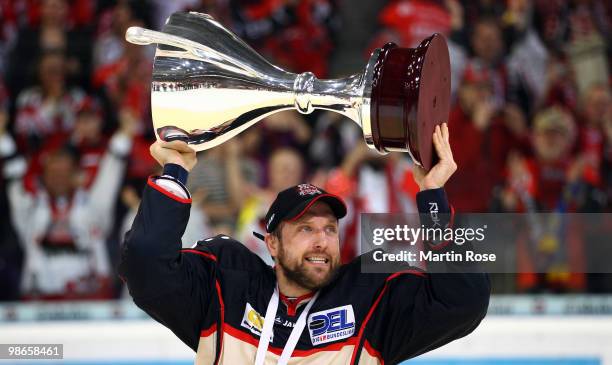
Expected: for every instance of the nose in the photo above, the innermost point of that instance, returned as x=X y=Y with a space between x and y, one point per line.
x=321 y=240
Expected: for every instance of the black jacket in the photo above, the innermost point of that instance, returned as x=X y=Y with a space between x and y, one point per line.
x=214 y=296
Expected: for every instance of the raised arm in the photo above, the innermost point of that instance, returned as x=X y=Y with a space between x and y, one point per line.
x=105 y=188
x=175 y=288
x=425 y=310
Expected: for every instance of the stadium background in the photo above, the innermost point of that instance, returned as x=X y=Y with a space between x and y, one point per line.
x=531 y=130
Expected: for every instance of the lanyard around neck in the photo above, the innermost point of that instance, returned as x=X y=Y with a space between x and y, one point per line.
x=266 y=333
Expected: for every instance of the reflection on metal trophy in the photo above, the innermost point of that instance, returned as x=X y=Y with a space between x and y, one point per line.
x=208 y=86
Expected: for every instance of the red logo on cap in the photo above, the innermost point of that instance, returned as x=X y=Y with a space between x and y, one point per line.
x=307 y=189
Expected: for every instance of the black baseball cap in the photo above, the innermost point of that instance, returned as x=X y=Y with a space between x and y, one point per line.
x=292 y=203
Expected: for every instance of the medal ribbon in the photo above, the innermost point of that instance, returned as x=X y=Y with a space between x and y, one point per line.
x=266 y=333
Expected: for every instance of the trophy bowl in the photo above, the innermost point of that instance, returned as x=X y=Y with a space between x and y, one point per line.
x=208 y=85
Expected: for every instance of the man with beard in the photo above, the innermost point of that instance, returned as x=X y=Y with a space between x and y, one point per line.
x=225 y=303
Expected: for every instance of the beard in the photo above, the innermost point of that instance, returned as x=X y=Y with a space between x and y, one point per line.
x=304 y=276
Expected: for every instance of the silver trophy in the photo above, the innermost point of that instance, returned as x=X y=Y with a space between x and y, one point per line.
x=208 y=85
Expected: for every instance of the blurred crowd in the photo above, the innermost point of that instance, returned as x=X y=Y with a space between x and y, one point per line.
x=530 y=122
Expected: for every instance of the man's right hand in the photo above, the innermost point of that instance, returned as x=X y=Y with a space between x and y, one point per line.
x=177 y=152
x=439 y=174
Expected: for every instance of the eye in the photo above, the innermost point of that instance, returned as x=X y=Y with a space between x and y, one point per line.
x=331 y=229
x=305 y=229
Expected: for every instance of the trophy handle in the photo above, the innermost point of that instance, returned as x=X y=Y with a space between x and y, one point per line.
x=143 y=37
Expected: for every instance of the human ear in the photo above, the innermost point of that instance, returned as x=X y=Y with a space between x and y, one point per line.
x=272 y=244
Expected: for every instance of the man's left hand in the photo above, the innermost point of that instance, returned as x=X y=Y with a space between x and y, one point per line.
x=446 y=166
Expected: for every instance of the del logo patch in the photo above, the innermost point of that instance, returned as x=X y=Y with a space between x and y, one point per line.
x=253 y=321
x=331 y=325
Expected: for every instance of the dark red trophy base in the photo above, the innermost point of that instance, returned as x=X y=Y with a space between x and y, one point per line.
x=410 y=96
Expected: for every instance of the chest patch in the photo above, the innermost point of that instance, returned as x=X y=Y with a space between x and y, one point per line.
x=331 y=324
x=253 y=321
